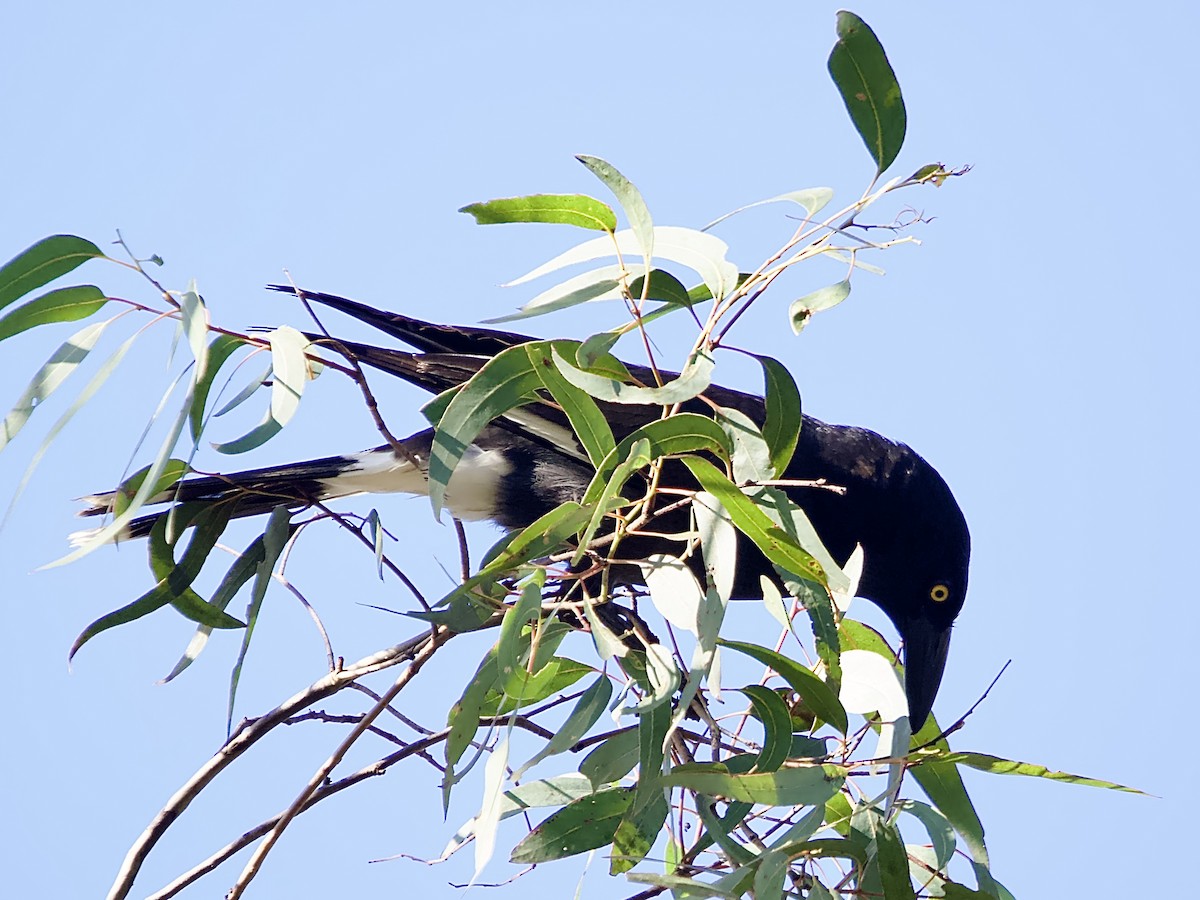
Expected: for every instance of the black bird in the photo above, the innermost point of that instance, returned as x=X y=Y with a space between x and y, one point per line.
x=915 y=541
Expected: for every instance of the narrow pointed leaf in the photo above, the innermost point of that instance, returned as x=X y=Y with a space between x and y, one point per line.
x=802 y=310
x=61 y=364
x=488 y=819
x=798 y=786
x=943 y=785
x=599 y=284
x=464 y=715
x=62 y=305
x=582 y=825
x=219 y=351
x=998 y=766
x=174 y=580
x=612 y=760
x=770 y=709
x=816 y=693
x=773 y=541
x=102 y=375
x=702 y=253
x=692 y=381
x=864 y=77
x=252 y=439
x=587 y=712
x=559 y=209
x=812 y=199
x=511 y=643
x=40 y=264
x=781 y=430
x=242 y=570
x=249 y=390
x=275 y=537
x=587 y=421
x=161 y=460
x=630 y=199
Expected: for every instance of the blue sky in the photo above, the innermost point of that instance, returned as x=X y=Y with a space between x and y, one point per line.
x=1038 y=348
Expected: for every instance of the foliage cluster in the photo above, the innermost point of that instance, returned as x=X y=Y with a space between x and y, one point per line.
x=790 y=785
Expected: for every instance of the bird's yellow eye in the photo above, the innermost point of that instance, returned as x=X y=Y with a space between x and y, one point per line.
x=939 y=593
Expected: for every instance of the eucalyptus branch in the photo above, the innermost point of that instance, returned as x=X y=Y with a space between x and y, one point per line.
x=246 y=736
x=359 y=378
x=420 y=657
x=379 y=767
x=391 y=566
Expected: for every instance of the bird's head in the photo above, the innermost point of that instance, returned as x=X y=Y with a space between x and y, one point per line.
x=916 y=567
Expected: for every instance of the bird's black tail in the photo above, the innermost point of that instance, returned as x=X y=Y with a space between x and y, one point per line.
x=258 y=491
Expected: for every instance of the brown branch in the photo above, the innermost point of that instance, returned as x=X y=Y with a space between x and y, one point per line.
x=423 y=655
x=359 y=377
x=391 y=566
x=246 y=736
x=379 y=767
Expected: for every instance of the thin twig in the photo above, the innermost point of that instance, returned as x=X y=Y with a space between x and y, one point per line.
x=246 y=737
x=962 y=720
x=464 y=551
x=360 y=379
x=253 y=866
x=278 y=575
x=391 y=566
x=379 y=767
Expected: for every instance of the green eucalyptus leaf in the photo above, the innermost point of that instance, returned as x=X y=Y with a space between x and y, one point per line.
x=599 y=284
x=812 y=199
x=803 y=309
x=770 y=709
x=864 y=77
x=820 y=698
x=997 y=765
x=630 y=199
x=586 y=713
x=781 y=430
x=582 y=825
x=219 y=351
x=275 y=537
x=62 y=363
x=775 y=543
x=612 y=759
x=40 y=264
x=692 y=381
x=664 y=287
x=798 y=786
x=62 y=305
x=557 y=209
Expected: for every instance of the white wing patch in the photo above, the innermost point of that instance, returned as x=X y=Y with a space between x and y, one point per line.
x=471 y=494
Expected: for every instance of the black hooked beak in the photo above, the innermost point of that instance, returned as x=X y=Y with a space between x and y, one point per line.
x=925 y=647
